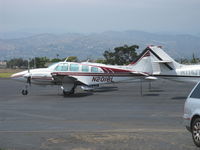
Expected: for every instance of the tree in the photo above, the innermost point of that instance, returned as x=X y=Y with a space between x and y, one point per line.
x=102 y=61
x=72 y=59
x=17 y=63
x=41 y=61
x=122 y=55
x=55 y=60
x=194 y=59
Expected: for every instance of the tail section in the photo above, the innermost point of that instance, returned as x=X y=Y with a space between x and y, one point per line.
x=154 y=60
x=161 y=61
x=143 y=62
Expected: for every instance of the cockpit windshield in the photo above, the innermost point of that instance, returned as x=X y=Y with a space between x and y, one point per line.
x=62 y=67
x=53 y=65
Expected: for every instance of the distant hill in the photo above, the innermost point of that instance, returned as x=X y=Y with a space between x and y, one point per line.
x=93 y=45
x=14 y=35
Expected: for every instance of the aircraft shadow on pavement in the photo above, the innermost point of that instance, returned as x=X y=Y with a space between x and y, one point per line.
x=179 y=98
x=76 y=95
x=152 y=94
x=156 y=90
x=106 y=89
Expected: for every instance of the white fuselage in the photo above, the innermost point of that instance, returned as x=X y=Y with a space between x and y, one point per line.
x=85 y=73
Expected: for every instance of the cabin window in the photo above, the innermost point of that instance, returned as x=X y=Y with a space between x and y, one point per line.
x=74 y=67
x=94 y=69
x=65 y=67
x=85 y=68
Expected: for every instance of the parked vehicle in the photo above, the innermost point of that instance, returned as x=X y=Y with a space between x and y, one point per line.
x=192 y=114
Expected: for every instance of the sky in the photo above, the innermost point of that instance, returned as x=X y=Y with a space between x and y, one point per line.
x=88 y=16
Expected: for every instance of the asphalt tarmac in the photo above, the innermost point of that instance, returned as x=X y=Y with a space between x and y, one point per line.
x=107 y=119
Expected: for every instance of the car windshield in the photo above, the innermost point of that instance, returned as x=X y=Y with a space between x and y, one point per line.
x=196 y=92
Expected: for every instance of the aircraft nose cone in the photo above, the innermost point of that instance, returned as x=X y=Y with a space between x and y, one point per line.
x=18 y=75
x=14 y=75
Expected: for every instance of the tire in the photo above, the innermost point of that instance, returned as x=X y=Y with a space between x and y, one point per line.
x=24 y=92
x=196 y=132
x=68 y=93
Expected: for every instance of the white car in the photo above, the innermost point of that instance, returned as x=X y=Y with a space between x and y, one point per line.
x=192 y=114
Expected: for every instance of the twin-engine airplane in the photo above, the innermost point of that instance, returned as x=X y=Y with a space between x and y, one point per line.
x=89 y=75
x=153 y=62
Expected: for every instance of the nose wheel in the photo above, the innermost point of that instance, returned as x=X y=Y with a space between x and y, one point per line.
x=25 y=91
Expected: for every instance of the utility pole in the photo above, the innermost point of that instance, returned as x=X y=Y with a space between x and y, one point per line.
x=57 y=55
x=34 y=62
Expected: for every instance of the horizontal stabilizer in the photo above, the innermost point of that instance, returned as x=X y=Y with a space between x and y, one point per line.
x=163 y=61
x=151 y=78
x=140 y=73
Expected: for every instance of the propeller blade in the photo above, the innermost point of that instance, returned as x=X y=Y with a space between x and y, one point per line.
x=28 y=66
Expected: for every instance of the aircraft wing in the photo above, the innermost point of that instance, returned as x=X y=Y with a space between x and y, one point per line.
x=75 y=78
x=61 y=78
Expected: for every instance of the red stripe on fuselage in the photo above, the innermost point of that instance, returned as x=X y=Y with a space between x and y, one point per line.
x=115 y=70
x=147 y=54
x=95 y=74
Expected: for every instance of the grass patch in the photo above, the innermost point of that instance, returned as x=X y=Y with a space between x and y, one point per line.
x=5 y=75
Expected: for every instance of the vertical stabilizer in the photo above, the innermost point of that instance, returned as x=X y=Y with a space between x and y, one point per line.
x=161 y=61
x=143 y=62
x=154 y=60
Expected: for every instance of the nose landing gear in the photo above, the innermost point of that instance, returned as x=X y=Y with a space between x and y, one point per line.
x=25 y=91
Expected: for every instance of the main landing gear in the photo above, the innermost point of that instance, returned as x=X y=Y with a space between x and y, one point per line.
x=70 y=92
x=68 y=86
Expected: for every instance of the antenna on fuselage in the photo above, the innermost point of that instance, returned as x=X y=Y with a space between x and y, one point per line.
x=66 y=59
